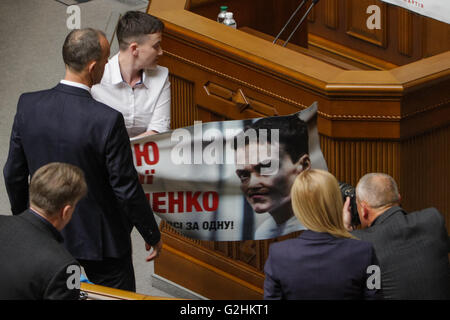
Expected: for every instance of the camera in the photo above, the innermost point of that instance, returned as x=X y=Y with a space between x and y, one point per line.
x=348 y=190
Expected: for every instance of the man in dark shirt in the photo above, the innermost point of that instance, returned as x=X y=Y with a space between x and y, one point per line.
x=34 y=263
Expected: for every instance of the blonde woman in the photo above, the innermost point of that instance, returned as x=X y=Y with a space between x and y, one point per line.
x=325 y=261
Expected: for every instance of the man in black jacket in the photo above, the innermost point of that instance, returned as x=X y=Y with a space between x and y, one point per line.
x=65 y=124
x=34 y=264
x=412 y=248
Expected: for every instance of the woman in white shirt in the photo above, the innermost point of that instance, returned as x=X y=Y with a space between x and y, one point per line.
x=133 y=83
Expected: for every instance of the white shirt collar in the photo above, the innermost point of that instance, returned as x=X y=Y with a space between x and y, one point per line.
x=76 y=84
x=116 y=75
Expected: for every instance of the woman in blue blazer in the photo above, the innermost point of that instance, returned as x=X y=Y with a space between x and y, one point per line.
x=325 y=261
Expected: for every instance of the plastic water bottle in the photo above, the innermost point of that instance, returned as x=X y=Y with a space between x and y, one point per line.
x=221 y=16
x=229 y=21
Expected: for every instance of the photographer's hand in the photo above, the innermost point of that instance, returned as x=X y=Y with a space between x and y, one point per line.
x=346 y=215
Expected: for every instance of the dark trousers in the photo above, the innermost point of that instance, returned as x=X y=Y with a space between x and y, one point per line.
x=111 y=272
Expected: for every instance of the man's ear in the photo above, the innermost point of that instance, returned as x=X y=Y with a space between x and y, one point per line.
x=91 y=66
x=302 y=164
x=365 y=210
x=66 y=212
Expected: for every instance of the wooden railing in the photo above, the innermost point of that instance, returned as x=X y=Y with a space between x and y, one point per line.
x=97 y=292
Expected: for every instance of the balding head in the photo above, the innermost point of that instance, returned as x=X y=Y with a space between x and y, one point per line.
x=377 y=190
x=82 y=46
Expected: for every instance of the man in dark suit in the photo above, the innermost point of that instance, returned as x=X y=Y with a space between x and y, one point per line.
x=34 y=264
x=66 y=124
x=412 y=249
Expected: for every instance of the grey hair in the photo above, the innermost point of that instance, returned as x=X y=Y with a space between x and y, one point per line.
x=80 y=47
x=377 y=190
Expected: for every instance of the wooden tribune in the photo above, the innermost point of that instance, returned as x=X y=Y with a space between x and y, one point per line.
x=375 y=114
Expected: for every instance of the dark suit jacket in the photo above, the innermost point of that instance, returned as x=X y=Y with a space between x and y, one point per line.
x=33 y=263
x=319 y=266
x=412 y=250
x=65 y=124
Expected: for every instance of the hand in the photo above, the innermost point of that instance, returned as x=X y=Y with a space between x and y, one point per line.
x=156 y=250
x=346 y=215
x=147 y=133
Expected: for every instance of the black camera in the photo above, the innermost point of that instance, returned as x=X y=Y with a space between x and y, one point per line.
x=349 y=191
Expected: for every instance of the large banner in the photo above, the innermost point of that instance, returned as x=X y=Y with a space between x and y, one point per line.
x=436 y=9
x=229 y=180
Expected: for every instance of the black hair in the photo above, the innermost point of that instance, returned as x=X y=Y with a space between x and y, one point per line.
x=135 y=24
x=293 y=134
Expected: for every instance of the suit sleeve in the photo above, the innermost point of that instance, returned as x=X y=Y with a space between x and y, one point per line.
x=125 y=183
x=272 y=287
x=16 y=172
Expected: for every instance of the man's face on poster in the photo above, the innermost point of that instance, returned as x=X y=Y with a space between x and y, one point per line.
x=266 y=192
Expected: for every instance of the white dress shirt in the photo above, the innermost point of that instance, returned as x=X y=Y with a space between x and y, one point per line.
x=144 y=107
x=75 y=84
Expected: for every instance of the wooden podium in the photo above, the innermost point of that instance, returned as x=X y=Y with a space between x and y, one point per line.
x=383 y=96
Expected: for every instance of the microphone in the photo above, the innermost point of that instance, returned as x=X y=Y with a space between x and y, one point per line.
x=314 y=2
x=292 y=16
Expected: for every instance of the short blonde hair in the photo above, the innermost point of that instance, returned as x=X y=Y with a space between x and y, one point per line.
x=317 y=202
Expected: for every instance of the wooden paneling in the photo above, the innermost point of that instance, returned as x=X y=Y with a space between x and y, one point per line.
x=183 y=110
x=405 y=32
x=425 y=172
x=207 y=272
x=349 y=160
x=436 y=37
x=404 y=36
x=357 y=17
x=312 y=15
x=356 y=58
x=331 y=13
